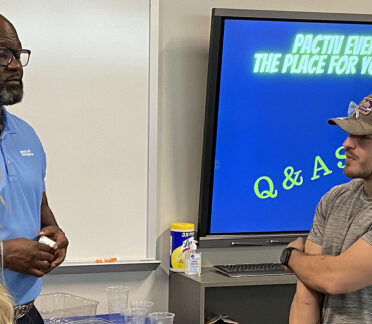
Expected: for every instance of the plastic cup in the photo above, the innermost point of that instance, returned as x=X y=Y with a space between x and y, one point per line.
x=142 y=304
x=117 y=298
x=134 y=315
x=161 y=318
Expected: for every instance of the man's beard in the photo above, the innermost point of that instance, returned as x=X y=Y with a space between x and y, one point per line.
x=10 y=94
x=364 y=172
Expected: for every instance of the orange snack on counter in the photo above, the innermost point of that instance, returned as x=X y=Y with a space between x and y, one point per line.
x=111 y=259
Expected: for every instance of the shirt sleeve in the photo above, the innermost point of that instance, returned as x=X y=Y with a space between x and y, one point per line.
x=368 y=236
x=316 y=234
x=43 y=170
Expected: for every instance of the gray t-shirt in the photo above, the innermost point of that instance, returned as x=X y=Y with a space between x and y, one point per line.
x=343 y=215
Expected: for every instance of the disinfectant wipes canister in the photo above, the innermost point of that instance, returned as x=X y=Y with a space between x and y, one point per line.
x=181 y=236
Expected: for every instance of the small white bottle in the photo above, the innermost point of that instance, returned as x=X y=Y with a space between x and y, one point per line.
x=192 y=260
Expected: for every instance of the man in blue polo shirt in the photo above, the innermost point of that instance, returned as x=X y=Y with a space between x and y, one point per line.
x=24 y=211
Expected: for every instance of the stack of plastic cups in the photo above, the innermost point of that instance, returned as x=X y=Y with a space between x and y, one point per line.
x=117 y=297
x=134 y=315
x=147 y=305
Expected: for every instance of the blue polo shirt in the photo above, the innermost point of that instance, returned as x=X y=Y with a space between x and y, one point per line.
x=22 y=172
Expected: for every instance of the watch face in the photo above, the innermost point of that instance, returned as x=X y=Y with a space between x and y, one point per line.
x=283 y=257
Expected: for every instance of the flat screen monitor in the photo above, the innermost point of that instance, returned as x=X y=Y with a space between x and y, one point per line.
x=274 y=79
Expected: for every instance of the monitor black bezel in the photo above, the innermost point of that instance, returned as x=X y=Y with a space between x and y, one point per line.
x=206 y=239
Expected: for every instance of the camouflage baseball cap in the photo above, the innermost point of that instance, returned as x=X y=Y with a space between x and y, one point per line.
x=359 y=121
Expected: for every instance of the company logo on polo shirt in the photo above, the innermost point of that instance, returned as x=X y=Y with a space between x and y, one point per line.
x=26 y=153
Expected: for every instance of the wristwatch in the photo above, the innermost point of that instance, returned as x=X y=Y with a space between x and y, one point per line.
x=286 y=254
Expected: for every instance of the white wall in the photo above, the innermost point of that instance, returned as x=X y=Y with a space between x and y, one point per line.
x=88 y=79
x=183 y=54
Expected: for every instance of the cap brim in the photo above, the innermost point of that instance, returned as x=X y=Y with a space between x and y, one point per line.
x=352 y=125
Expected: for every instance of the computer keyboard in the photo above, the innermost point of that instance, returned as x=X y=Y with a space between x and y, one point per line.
x=251 y=269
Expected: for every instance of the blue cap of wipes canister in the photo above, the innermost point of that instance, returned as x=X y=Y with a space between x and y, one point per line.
x=181 y=236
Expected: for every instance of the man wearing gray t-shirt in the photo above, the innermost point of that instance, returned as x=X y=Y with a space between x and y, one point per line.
x=334 y=266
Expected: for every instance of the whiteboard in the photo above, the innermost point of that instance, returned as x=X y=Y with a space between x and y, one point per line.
x=87 y=97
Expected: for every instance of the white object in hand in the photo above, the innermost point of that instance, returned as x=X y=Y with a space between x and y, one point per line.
x=46 y=240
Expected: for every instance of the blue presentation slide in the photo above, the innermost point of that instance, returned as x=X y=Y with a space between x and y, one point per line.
x=275 y=153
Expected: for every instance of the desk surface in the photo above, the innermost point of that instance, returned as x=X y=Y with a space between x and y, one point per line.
x=212 y=278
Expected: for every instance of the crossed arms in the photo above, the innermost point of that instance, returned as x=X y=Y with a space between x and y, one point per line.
x=345 y=273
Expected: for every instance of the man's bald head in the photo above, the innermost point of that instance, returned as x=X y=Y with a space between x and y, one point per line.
x=8 y=35
x=4 y=20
